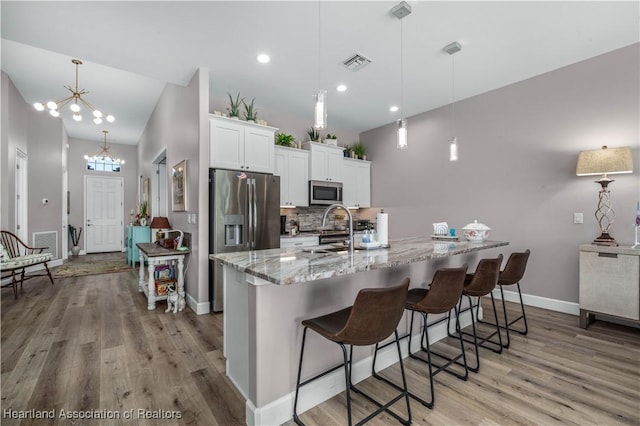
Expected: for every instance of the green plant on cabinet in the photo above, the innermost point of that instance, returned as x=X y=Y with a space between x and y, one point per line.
x=359 y=151
x=314 y=134
x=234 y=105
x=284 y=139
x=250 y=112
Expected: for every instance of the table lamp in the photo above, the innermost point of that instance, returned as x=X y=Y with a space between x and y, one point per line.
x=161 y=223
x=605 y=161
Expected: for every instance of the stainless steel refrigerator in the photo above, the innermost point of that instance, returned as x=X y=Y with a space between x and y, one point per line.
x=244 y=214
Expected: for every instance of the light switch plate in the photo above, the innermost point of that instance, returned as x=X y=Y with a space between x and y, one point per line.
x=577 y=218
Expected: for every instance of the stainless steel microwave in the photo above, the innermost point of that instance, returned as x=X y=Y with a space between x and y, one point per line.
x=324 y=193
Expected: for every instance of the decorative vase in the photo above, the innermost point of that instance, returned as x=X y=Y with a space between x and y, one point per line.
x=143 y=221
x=75 y=250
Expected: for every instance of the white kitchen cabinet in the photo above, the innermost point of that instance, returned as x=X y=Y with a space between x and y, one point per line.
x=238 y=145
x=609 y=283
x=325 y=161
x=306 y=241
x=356 y=183
x=292 y=165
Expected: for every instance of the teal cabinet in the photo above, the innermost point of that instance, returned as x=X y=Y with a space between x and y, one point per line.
x=135 y=235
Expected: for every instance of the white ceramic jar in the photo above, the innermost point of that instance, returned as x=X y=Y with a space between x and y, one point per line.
x=476 y=231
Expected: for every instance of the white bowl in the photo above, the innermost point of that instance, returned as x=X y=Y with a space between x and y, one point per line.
x=476 y=231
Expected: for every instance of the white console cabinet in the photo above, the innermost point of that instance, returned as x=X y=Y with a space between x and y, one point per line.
x=240 y=145
x=609 y=283
x=292 y=165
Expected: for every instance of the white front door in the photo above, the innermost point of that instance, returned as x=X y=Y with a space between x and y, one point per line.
x=103 y=213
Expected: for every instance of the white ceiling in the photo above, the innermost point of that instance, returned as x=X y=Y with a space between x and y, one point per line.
x=131 y=50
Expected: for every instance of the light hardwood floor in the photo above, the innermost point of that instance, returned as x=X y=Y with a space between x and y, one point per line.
x=89 y=343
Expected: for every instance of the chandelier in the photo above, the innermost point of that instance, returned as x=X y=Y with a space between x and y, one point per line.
x=74 y=101
x=104 y=156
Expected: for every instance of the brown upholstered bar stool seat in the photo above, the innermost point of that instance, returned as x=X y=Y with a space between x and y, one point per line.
x=512 y=274
x=479 y=284
x=440 y=297
x=373 y=317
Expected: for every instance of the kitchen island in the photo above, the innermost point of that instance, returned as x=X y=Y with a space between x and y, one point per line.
x=267 y=293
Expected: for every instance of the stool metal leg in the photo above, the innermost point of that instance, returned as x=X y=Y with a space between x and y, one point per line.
x=295 y=401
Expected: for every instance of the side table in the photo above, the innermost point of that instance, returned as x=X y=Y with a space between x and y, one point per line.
x=156 y=255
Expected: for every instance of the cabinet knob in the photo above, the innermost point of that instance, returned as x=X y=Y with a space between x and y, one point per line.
x=247 y=167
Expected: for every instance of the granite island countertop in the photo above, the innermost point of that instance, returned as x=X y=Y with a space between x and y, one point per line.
x=297 y=264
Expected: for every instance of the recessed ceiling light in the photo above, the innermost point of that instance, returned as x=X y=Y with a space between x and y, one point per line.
x=263 y=58
x=341 y=88
x=394 y=108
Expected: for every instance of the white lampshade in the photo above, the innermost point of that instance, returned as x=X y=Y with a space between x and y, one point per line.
x=52 y=105
x=97 y=113
x=54 y=112
x=111 y=118
x=74 y=107
x=77 y=117
x=38 y=106
x=97 y=120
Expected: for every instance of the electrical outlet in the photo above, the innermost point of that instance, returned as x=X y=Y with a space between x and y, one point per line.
x=577 y=218
x=193 y=218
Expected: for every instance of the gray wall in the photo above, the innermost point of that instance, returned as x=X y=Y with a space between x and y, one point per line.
x=78 y=148
x=43 y=139
x=176 y=125
x=518 y=147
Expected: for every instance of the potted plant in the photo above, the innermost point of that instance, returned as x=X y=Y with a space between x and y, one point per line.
x=331 y=139
x=250 y=113
x=314 y=134
x=358 y=150
x=234 y=105
x=346 y=151
x=143 y=213
x=284 y=139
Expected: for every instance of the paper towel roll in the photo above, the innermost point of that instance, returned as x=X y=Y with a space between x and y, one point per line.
x=382 y=228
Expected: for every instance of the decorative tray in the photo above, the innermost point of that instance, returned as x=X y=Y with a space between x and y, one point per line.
x=444 y=238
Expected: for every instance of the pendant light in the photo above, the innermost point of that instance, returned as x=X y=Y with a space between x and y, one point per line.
x=401 y=10
x=452 y=49
x=320 y=98
x=75 y=100
x=104 y=155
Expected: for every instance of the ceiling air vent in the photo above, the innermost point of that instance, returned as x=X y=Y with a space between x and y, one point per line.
x=356 y=62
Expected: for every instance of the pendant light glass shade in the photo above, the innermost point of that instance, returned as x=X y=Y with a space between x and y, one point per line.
x=320 y=110
x=401 y=136
x=453 y=150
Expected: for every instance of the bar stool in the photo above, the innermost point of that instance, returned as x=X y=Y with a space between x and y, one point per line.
x=373 y=317
x=512 y=274
x=441 y=296
x=478 y=284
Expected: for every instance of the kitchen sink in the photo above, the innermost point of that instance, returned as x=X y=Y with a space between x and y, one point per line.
x=328 y=250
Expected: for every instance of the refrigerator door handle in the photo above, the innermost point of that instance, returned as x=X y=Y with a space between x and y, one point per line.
x=250 y=213
x=255 y=212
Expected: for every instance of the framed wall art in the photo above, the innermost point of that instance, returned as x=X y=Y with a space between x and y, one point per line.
x=179 y=187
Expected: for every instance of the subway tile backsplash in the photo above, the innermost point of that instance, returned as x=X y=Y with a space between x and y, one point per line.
x=310 y=218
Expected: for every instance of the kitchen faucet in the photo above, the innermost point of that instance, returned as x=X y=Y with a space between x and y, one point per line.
x=341 y=206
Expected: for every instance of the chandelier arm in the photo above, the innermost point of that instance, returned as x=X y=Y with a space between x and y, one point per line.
x=91 y=107
x=64 y=102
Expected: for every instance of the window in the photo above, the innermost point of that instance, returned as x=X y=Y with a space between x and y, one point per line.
x=103 y=165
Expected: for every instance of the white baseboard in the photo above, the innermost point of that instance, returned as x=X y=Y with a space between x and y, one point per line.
x=200 y=308
x=281 y=410
x=571 y=308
